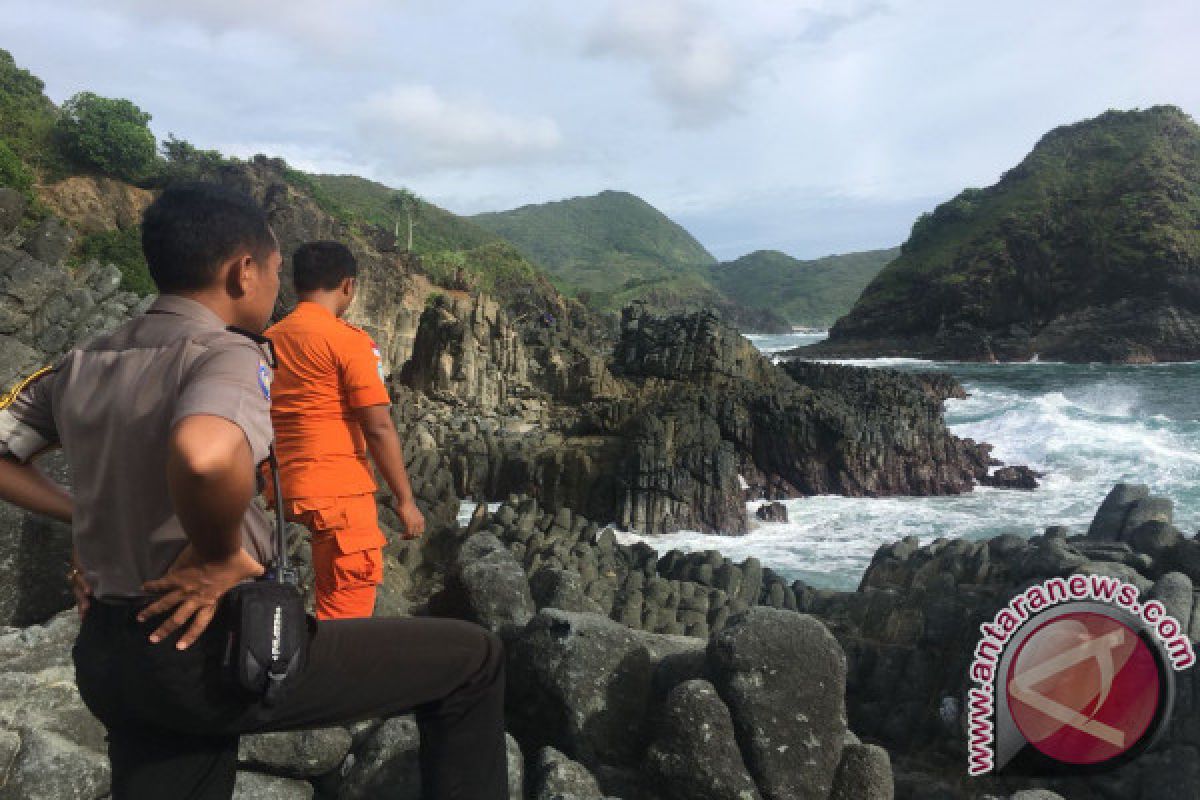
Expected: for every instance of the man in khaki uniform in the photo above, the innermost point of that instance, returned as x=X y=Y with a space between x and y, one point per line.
x=163 y=423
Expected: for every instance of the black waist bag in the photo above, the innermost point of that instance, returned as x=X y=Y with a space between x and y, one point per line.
x=266 y=624
x=268 y=637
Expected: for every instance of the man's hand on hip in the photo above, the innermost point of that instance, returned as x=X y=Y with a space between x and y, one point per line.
x=191 y=590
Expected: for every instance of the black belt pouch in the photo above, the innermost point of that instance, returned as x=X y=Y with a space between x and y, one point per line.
x=267 y=640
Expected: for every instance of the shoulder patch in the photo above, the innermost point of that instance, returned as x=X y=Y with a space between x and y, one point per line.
x=264 y=379
x=378 y=361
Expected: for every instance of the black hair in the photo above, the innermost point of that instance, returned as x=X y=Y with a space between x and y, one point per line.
x=192 y=228
x=322 y=265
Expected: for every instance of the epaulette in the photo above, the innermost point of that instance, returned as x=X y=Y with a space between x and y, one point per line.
x=11 y=395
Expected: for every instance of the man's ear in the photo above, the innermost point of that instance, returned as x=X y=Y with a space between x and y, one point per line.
x=242 y=275
x=348 y=286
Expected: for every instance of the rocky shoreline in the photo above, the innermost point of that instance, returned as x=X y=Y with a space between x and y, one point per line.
x=679 y=676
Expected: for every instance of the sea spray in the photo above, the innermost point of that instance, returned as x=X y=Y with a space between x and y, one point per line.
x=1086 y=426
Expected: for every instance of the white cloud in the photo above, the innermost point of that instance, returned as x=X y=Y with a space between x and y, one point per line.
x=839 y=120
x=416 y=126
x=319 y=24
x=695 y=66
x=701 y=55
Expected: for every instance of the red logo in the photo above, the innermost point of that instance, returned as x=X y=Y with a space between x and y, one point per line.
x=1083 y=688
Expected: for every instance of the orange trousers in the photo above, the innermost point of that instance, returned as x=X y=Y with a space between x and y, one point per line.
x=346 y=552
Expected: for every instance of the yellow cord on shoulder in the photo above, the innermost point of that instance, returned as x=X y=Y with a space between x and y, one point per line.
x=12 y=393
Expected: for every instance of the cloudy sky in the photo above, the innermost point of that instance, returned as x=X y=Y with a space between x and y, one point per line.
x=807 y=126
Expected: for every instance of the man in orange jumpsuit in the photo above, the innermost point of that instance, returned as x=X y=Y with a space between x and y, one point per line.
x=329 y=408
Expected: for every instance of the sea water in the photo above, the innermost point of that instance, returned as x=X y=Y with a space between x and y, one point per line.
x=1086 y=426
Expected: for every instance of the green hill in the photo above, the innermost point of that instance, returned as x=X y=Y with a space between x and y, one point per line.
x=34 y=151
x=813 y=293
x=1088 y=250
x=613 y=248
x=435 y=230
x=599 y=243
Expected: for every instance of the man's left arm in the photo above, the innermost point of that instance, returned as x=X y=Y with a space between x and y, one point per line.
x=27 y=430
x=388 y=454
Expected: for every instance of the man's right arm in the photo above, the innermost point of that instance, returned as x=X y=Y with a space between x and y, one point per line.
x=222 y=429
x=210 y=475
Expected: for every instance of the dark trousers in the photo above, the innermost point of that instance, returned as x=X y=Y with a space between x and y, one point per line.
x=173 y=726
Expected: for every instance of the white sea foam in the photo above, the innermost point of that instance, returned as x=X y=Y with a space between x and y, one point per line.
x=1085 y=426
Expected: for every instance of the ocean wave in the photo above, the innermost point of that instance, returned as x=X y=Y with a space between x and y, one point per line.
x=877 y=362
x=1085 y=426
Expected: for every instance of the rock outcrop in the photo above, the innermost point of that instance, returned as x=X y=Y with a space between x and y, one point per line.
x=668 y=429
x=94 y=204
x=907 y=635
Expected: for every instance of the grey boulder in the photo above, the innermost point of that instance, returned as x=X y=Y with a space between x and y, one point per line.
x=783 y=676
x=694 y=755
x=296 y=754
x=255 y=786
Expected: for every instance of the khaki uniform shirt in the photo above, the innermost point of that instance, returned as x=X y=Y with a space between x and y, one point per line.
x=112 y=404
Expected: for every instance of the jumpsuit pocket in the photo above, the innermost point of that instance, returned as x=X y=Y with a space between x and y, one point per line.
x=357 y=569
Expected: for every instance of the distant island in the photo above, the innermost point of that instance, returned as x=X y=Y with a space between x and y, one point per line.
x=1088 y=250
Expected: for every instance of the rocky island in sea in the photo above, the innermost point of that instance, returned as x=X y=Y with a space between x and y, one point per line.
x=634 y=672
x=1085 y=251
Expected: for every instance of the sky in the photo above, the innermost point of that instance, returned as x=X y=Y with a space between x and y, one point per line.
x=807 y=126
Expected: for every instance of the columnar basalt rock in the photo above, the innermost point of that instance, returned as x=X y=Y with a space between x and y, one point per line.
x=637 y=714
x=687 y=414
x=467 y=351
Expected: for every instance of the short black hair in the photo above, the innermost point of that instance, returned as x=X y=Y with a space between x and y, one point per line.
x=322 y=265
x=193 y=227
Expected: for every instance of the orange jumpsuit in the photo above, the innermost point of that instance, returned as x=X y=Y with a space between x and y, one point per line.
x=326 y=369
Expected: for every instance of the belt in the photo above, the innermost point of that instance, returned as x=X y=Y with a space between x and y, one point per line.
x=122 y=602
x=118 y=608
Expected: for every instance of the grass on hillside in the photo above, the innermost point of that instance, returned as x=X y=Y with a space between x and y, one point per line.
x=599 y=244
x=1098 y=207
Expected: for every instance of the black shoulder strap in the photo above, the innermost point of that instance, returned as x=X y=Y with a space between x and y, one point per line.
x=257 y=338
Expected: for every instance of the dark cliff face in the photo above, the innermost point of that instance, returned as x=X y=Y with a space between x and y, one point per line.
x=676 y=426
x=1085 y=251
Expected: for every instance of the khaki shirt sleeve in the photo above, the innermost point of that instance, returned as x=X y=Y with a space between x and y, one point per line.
x=361 y=367
x=27 y=425
x=231 y=381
